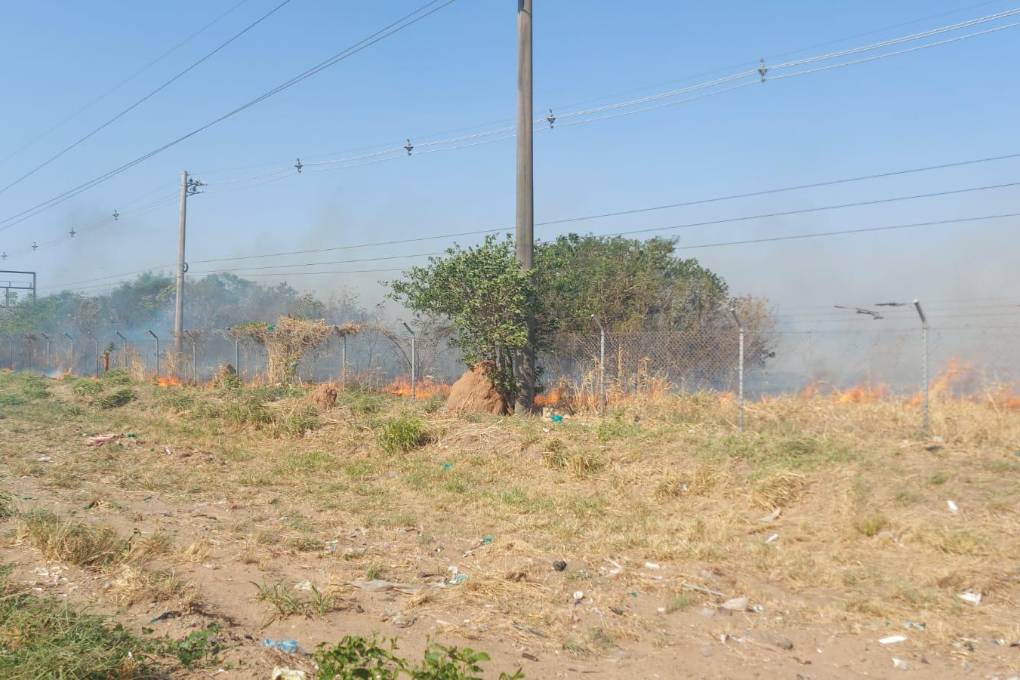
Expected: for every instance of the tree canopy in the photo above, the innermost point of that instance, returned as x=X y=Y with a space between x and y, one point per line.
x=484 y=294
x=630 y=285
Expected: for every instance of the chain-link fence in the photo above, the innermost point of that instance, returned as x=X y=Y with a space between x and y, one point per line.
x=854 y=363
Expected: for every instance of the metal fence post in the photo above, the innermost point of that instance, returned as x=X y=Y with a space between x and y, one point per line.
x=10 y=343
x=156 y=338
x=73 y=357
x=740 y=365
x=602 y=365
x=194 y=360
x=46 y=357
x=414 y=361
x=123 y=349
x=96 y=340
x=924 y=366
x=343 y=362
x=237 y=356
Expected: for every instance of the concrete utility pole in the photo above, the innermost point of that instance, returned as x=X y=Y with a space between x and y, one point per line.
x=525 y=231
x=189 y=187
x=181 y=267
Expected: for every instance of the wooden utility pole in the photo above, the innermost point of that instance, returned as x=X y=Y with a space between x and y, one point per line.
x=181 y=267
x=525 y=228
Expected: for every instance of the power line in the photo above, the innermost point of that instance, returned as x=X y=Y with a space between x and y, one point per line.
x=841 y=232
x=431 y=145
x=404 y=22
x=748 y=76
x=634 y=211
x=683 y=247
x=689 y=225
x=122 y=83
x=180 y=74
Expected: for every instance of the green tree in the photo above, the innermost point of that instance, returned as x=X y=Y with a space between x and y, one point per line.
x=630 y=285
x=486 y=296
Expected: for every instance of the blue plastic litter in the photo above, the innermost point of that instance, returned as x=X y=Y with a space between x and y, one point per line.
x=556 y=418
x=289 y=646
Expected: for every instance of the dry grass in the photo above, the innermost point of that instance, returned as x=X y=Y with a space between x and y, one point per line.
x=72 y=542
x=854 y=495
x=101 y=548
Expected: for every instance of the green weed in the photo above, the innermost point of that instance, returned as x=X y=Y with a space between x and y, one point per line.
x=196 y=646
x=43 y=638
x=433 y=404
x=616 y=429
x=404 y=433
x=362 y=401
x=117 y=376
x=116 y=399
x=354 y=658
x=86 y=388
x=286 y=601
x=7 y=507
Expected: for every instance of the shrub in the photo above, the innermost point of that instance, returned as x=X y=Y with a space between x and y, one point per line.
x=117 y=376
x=87 y=387
x=404 y=433
x=116 y=399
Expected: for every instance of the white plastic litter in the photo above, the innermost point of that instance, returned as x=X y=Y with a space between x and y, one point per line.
x=971 y=597
x=892 y=639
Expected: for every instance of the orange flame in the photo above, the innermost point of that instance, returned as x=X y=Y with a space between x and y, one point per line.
x=860 y=394
x=550 y=399
x=167 y=381
x=425 y=389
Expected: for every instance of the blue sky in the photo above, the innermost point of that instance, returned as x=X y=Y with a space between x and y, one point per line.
x=454 y=73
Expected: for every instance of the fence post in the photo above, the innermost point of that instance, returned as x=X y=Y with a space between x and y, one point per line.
x=123 y=350
x=194 y=360
x=10 y=344
x=602 y=365
x=96 y=340
x=924 y=366
x=740 y=365
x=237 y=356
x=156 y=338
x=414 y=361
x=343 y=362
x=46 y=356
x=74 y=363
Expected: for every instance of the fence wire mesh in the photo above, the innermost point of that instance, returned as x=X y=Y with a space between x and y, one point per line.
x=861 y=363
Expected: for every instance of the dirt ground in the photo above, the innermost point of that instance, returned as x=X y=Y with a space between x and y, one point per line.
x=691 y=551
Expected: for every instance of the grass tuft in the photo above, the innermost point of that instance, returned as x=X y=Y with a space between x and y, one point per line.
x=116 y=399
x=43 y=638
x=404 y=433
x=87 y=388
x=72 y=542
